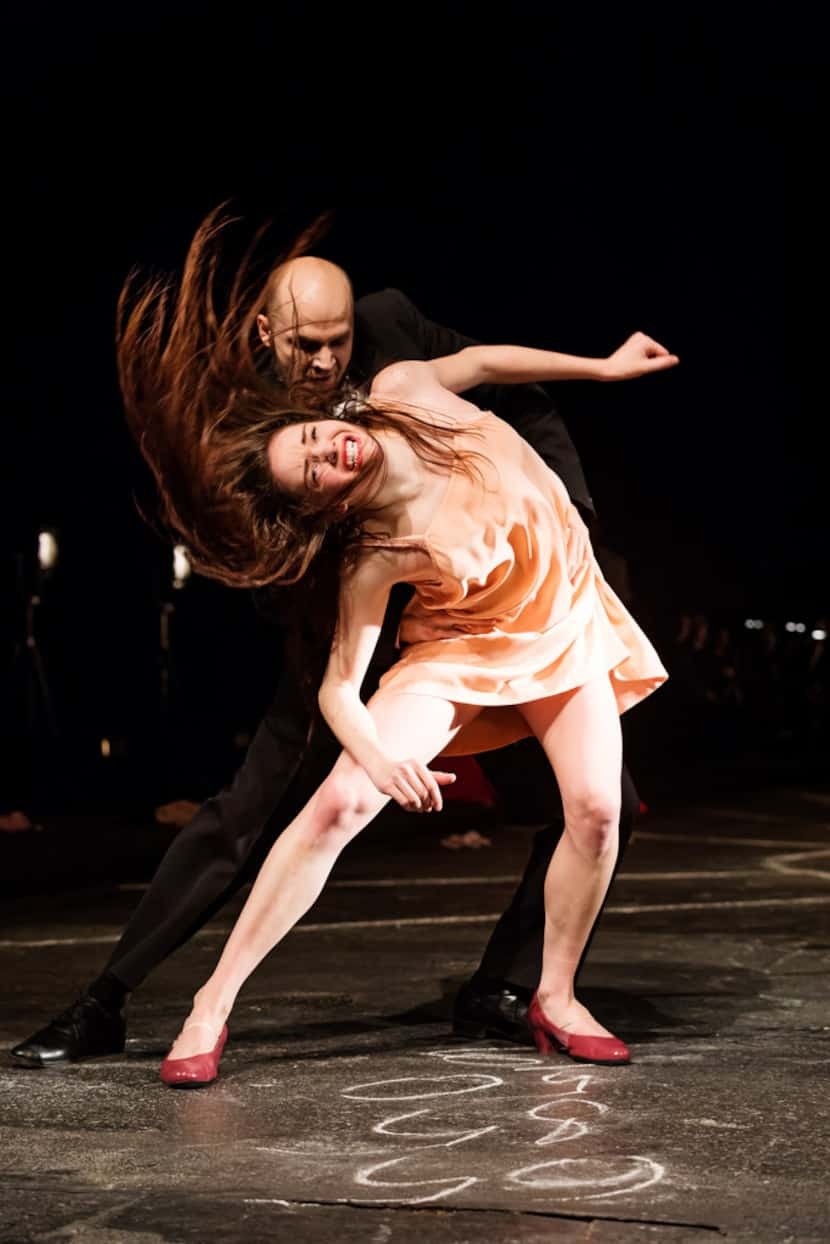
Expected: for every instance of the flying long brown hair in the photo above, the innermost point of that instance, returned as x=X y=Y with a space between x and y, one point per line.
x=203 y=402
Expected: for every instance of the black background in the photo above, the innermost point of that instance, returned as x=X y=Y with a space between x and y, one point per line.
x=542 y=174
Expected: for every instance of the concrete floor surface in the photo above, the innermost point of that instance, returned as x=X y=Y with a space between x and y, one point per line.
x=345 y=1110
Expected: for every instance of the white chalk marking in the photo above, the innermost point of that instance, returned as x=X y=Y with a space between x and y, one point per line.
x=356 y=1092
x=571 y=1178
x=743 y=1127
x=266 y=1200
x=567 y=1129
x=384 y=883
x=384 y=1128
x=813 y=900
x=404 y=883
x=793 y=864
x=746 y=814
x=380 y=883
x=364 y=1177
x=557 y=1077
x=584 y=1174
x=408 y=922
x=719 y=840
x=489 y=1056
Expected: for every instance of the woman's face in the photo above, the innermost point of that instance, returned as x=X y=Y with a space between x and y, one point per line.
x=319 y=458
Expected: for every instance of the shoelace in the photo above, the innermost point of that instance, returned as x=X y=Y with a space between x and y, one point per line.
x=75 y=1013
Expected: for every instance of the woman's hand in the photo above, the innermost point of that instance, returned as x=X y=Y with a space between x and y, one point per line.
x=411 y=784
x=637 y=356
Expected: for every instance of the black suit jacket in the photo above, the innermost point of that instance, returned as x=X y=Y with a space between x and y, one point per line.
x=389 y=328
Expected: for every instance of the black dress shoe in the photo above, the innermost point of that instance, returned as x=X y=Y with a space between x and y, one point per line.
x=85 y=1030
x=491 y=1011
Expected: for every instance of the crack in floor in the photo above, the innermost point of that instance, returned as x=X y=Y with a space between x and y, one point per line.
x=100 y=1217
x=486 y=1209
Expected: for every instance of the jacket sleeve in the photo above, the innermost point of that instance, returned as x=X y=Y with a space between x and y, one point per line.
x=434 y=340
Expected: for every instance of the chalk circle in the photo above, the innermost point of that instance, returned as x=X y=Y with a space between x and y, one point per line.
x=567 y=1129
x=590 y=1177
x=555 y=1108
x=488 y=1057
x=482 y=1082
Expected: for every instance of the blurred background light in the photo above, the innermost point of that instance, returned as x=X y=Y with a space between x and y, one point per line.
x=47 y=549
x=182 y=568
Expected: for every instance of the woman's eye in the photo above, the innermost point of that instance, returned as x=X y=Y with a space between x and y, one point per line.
x=314 y=475
x=314 y=434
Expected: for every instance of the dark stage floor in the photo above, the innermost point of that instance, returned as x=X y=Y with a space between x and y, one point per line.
x=345 y=1111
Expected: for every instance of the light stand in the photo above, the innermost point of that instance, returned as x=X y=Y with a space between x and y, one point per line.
x=167 y=702
x=28 y=671
x=181 y=573
x=31 y=728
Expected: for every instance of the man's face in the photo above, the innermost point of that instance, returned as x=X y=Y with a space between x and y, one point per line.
x=308 y=350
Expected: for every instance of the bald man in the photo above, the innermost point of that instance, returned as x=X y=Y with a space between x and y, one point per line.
x=319 y=336
x=308 y=323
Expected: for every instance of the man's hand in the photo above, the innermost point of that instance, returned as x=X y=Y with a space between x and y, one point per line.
x=411 y=784
x=577 y=540
x=637 y=357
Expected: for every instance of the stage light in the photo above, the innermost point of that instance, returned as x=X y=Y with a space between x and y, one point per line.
x=47 y=549
x=182 y=568
x=106 y=749
x=818 y=633
x=800 y=628
x=753 y=624
x=789 y=626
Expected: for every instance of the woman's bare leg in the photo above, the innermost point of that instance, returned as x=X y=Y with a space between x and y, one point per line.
x=297 y=866
x=580 y=732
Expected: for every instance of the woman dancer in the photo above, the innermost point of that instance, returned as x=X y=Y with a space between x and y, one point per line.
x=500 y=640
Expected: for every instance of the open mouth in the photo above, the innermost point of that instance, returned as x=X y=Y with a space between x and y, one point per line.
x=352 y=453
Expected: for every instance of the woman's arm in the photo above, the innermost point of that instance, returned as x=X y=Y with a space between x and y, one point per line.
x=475 y=365
x=363 y=599
x=364 y=595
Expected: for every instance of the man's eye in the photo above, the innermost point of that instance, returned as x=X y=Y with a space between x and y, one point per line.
x=314 y=434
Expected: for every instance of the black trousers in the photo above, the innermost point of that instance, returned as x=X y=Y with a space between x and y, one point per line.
x=224 y=845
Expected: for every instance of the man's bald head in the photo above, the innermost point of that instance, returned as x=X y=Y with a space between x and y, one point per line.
x=313 y=287
x=308 y=322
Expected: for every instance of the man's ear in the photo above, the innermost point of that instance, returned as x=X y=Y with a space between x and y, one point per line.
x=264 y=329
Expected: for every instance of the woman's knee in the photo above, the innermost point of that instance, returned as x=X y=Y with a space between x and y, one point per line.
x=592 y=819
x=342 y=805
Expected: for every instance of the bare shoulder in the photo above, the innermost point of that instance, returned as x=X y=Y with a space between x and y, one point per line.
x=398 y=380
x=415 y=383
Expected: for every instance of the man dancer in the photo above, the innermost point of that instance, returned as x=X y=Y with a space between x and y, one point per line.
x=318 y=336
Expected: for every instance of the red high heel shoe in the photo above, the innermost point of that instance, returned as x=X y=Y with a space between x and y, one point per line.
x=200 y=1069
x=609 y=1051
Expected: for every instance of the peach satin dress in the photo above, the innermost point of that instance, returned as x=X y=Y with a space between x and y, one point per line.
x=501 y=623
